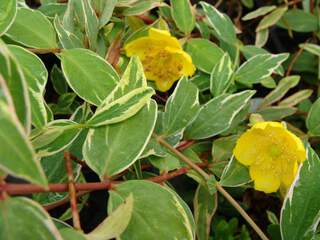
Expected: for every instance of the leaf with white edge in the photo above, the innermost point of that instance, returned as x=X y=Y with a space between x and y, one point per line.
x=276 y=113
x=67 y=39
x=91 y=25
x=182 y=15
x=221 y=23
x=36 y=76
x=8 y=11
x=113 y=148
x=205 y=54
x=23 y=31
x=311 y=48
x=296 y=98
x=19 y=215
x=116 y=223
x=72 y=234
x=17 y=155
x=217 y=115
x=282 y=88
x=181 y=108
x=121 y=108
x=205 y=206
x=85 y=70
x=300 y=213
x=12 y=77
x=55 y=137
x=220 y=78
x=235 y=174
x=258 y=12
x=142 y=6
x=313 y=119
x=104 y=8
x=171 y=219
x=272 y=18
x=259 y=67
x=262 y=37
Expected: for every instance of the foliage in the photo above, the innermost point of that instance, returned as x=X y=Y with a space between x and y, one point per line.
x=78 y=115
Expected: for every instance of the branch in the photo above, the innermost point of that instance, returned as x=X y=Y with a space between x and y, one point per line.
x=72 y=192
x=44 y=50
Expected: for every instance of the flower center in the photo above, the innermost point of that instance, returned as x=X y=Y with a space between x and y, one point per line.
x=274 y=151
x=161 y=65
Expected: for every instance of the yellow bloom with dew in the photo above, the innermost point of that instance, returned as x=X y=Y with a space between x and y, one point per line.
x=162 y=57
x=272 y=154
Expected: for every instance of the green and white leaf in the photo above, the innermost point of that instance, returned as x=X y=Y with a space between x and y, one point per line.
x=296 y=98
x=182 y=15
x=205 y=54
x=258 y=12
x=217 y=115
x=8 y=11
x=23 y=30
x=272 y=18
x=259 y=67
x=55 y=137
x=85 y=70
x=221 y=24
x=116 y=223
x=111 y=149
x=36 y=76
x=220 y=78
x=300 y=213
x=313 y=119
x=311 y=48
x=181 y=108
x=171 y=219
x=22 y=218
x=17 y=155
x=235 y=174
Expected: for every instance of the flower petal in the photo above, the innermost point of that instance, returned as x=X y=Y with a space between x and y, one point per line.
x=164 y=37
x=141 y=46
x=265 y=181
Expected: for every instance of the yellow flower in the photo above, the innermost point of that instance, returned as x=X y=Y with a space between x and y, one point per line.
x=162 y=57
x=272 y=154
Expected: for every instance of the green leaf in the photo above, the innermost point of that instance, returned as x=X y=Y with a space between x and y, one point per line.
x=72 y=234
x=217 y=115
x=220 y=78
x=205 y=206
x=282 y=88
x=205 y=54
x=300 y=213
x=121 y=108
x=276 y=113
x=23 y=30
x=36 y=76
x=18 y=216
x=171 y=219
x=235 y=174
x=91 y=23
x=104 y=9
x=67 y=39
x=313 y=119
x=299 y=21
x=182 y=15
x=201 y=80
x=142 y=6
x=116 y=223
x=113 y=148
x=258 y=12
x=182 y=107
x=85 y=70
x=221 y=24
x=17 y=155
x=259 y=67
x=296 y=98
x=8 y=11
x=15 y=84
x=58 y=81
x=53 y=9
x=55 y=137
x=271 y=18
x=262 y=37
x=311 y=48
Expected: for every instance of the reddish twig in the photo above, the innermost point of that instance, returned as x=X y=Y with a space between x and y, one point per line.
x=113 y=54
x=146 y=19
x=3 y=194
x=185 y=144
x=72 y=192
x=294 y=59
